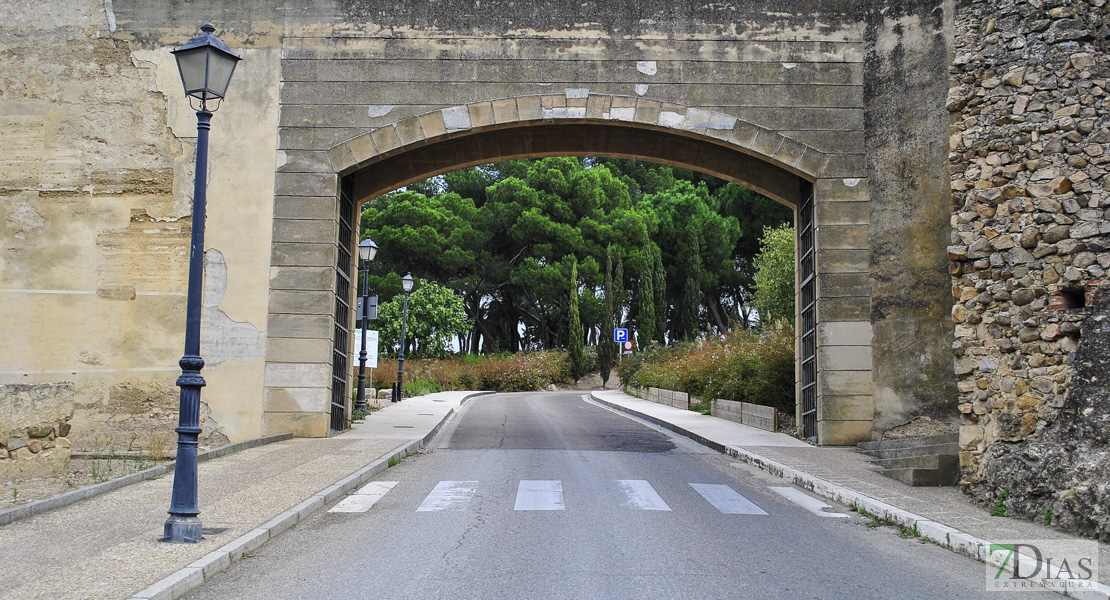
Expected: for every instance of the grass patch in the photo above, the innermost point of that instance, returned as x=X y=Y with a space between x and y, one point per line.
x=999 y=508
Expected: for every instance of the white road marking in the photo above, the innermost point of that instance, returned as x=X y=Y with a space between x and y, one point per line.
x=362 y=500
x=449 y=494
x=806 y=501
x=726 y=499
x=534 y=494
x=641 y=495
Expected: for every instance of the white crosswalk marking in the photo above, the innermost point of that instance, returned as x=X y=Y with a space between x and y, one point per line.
x=726 y=499
x=362 y=500
x=639 y=494
x=534 y=494
x=806 y=501
x=449 y=495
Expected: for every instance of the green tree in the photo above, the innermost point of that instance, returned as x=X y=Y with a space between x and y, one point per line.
x=576 y=346
x=774 y=276
x=645 y=313
x=686 y=323
x=659 y=281
x=606 y=347
x=436 y=314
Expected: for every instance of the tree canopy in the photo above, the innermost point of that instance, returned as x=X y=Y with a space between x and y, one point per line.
x=509 y=240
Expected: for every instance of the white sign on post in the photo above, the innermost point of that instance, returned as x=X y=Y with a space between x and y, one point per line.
x=371 y=347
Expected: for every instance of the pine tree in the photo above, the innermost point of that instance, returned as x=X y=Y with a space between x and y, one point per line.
x=576 y=346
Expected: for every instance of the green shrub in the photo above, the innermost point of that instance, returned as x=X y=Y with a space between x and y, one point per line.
x=747 y=367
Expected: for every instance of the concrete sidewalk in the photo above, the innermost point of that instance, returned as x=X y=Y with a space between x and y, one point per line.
x=107 y=546
x=942 y=515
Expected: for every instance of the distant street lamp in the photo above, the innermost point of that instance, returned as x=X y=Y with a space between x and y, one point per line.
x=406 y=285
x=367 y=250
x=206 y=65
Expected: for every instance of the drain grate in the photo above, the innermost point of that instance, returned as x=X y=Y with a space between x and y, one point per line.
x=403 y=426
x=213 y=530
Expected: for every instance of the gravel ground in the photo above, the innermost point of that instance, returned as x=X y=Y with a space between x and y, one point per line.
x=81 y=472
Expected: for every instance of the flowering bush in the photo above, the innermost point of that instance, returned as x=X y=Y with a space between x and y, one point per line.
x=748 y=367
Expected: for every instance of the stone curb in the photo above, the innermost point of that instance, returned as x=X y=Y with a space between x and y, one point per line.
x=198 y=572
x=34 y=508
x=951 y=538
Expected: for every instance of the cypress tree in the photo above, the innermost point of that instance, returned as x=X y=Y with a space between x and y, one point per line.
x=606 y=348
x=576 y=346
x=645 y=317
x=659 y=280
x=686 y=323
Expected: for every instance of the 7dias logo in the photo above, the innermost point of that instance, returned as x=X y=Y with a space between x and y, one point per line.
x=1038 y=565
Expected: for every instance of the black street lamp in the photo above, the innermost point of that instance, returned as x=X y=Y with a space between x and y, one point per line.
x=206 y=65
x=366 y=252
x=406 y=285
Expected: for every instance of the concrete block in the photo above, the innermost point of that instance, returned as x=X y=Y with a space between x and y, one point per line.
x=598 y=106
x=843 y=237
x=174 y=586
x=409 y=131
x=790 y=152
x=302 y=302
x=305 y=230
x=844 y=261
x=304 y=161
x=844 y=358
x=528 y=108
x=341 y=157
x=846 y=165
x=305 y=184
x=300 y=326
x=813 y=161
x=846 y=408
x=362 y=147
x=841 y=189
x=456 y=118
x=767 y=143
x=302 y=278
x=844 y=383
x=842 y=213
x=298 y=375
x=432 y=124
x=646 y=111
x=306 y=207
x=291 y=399
x=846 y=308
x=299 y=424
x=481 y=114
x=302 y=254
x=844 y=333
x=843 y=433
x=386 y=139
x=212 y=563
x=833 y=285
x=744 y=134
x=504 y=111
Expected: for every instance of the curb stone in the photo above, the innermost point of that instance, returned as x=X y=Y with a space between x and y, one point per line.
x=949 y=537
x=90 y=491
x=198 y=572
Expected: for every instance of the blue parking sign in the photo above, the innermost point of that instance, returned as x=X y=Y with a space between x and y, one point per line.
x=620 y=335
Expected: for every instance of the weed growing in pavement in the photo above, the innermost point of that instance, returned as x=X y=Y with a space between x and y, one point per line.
x=999 y=508
x=15 y=494
x=908 y=532
x=392 y=461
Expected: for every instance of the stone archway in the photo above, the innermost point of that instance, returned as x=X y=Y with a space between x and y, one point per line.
x=304 y=321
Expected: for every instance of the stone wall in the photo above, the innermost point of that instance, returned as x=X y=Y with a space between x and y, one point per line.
x=34 y=425
x=1030 y=244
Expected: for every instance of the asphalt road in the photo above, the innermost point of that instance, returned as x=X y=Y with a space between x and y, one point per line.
x=550 y=496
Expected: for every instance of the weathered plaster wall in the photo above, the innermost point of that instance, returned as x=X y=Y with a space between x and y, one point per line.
x=909 y=49
x=96 y=163
x=1029 y=148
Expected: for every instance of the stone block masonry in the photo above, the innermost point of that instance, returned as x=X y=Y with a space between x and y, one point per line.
x=1029 y=252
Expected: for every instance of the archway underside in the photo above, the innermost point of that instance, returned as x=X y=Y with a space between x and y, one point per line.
x=573 y=139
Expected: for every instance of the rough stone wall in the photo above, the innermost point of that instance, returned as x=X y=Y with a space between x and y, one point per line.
x=34 y=425
x=1029 y=150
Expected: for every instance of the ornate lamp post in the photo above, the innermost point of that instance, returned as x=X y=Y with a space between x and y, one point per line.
x=406 y=285
x=366 y=252
x=206 y=65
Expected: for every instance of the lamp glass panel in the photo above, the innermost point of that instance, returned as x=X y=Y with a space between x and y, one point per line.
x=193 y=68
x=364 y=252
x=220 y=67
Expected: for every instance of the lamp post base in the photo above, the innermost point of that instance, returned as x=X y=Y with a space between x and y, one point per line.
x=181 y=529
